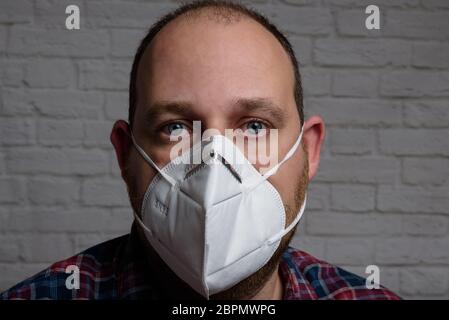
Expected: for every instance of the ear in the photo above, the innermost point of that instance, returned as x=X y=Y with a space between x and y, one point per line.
x=314 y=133
x=122 y=142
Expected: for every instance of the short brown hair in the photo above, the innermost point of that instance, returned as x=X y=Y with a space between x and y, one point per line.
x=226 y=9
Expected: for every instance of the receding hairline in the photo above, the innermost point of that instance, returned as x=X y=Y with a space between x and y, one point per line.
x=217 y=15
x=225 y=12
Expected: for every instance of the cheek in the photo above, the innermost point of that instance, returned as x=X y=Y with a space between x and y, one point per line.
x=287 y=178
x=141 y=175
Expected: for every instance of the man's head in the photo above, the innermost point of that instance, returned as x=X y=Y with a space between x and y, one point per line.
x=229 y=68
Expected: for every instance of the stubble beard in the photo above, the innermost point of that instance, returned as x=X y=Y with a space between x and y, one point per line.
x=250 y=286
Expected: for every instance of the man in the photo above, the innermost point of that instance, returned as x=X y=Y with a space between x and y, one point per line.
x=203 y=231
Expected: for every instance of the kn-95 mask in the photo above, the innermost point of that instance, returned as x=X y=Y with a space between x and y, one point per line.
x=217 y=222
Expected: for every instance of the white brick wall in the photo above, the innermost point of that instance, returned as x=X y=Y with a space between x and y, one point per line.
x=381 y=195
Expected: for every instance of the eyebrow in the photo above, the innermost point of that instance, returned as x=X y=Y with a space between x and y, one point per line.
x=239 y=105
x=157 y=109
x=263 y=105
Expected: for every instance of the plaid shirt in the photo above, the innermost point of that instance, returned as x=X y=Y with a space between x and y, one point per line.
x=117 y=269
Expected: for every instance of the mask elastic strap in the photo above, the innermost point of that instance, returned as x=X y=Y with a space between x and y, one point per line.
x=151 y=162
x=269 y=173
x=289 y=154
x=279 y=235
x=140 y=222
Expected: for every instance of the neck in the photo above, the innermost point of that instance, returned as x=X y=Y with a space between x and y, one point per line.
x=272 y=290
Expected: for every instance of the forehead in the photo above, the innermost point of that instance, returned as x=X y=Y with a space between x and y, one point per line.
x=205 y=61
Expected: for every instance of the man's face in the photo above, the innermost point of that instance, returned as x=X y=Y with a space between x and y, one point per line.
x=201 y=70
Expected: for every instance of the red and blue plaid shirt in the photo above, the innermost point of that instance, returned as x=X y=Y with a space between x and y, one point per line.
x=117 y=269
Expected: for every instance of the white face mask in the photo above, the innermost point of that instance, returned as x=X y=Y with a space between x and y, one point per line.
x=215 y=223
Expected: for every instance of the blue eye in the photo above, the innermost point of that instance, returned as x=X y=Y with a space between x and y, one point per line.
x=176 y=129
x=255 y=127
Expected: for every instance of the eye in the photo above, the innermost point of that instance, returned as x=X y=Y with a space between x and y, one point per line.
x=255 y=128
x=175 y=129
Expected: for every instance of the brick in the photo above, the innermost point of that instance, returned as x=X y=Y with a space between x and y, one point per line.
x=117 y=105
x=88 y=162
x=313 y=245
x=16 y=132
x=45 y=220
x=104 y=192
x=12 y=273
x=129 y=14
x=37 y=160
x=315 y=81
x=45 y=247
x=414 y=142
x=13 y=73
x=85 y=241
x=356 y=198
x=361 y=52
x=335 y=223
x=4 y=216
x=391 y=251
x=16 y=11
x=50 y=15
x=425 y=171
x=299 y=2
x=57 y=161
x=60 y=132
x=425 y=225
x=125 y=42
x=380 y=3
x=57 y=43
x=12 y=190
x=352 y=251
x=424 y=280
x=97 y=133
x=351 y=141
x=2 y=39
x=356 y=112
x=432 y=4
x=119 y=220
x=49 y=73
x=355 y=83
x=67 y=103
x=389 y=224
x=53 y=191
x=431 y=54
x=342 y=224
x=413 y=199
x=113 y=163
x=9 y=250
x=435 y=251
x=416 y=24
x=356 y=169
x=2 y=162
x=303 y=49
x=414 y=83
x=101 y=75
x=318 y=196
x=426 y=113
x=16 y=102
x=352 y=23
x=389 y=277
x=299 y=20
x=52 y=103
